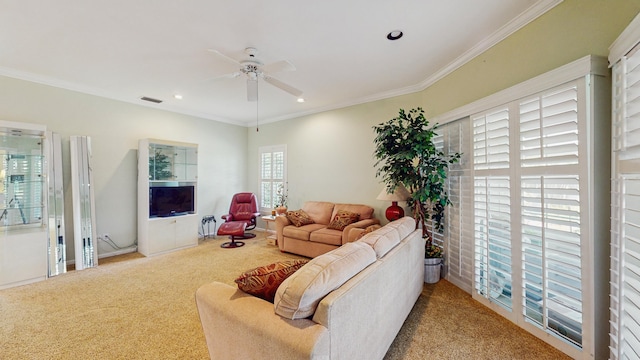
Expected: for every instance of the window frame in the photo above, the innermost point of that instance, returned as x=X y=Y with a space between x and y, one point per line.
x=270 y=149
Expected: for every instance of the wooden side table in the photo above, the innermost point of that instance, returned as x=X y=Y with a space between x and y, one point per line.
x=271 y=239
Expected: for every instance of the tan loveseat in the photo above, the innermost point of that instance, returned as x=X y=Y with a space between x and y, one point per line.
x=315 y=239
x=357 y=316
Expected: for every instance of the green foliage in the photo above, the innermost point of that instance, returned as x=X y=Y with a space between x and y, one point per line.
x=160 y=167
x=432 y=250
x=405 y=154
x=281 y=196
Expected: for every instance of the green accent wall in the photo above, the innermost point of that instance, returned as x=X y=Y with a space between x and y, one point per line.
x=330 y=154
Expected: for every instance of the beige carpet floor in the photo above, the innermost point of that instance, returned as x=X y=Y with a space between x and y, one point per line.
x=134 y=307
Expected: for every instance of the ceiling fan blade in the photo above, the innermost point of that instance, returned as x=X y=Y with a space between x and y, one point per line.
x=223 y=56
x=282 y=86
x=252 y=89
x=278 y=66
x=232 y=75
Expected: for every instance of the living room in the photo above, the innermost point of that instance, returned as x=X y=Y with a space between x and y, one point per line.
x=329 y=153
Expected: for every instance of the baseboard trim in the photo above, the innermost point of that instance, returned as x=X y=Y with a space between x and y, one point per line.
x=130 y=249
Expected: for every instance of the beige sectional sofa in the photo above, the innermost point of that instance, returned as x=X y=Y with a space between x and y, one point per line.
x=349 y=303
x=314 y=239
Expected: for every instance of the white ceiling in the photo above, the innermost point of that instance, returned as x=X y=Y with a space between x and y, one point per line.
x=126 y=49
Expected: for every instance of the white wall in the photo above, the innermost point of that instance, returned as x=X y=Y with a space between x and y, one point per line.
x=114 y=128
x=330 y=155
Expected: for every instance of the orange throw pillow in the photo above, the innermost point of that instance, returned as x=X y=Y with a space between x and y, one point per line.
x=263 y=281
x=342 y=219
x=299 y=217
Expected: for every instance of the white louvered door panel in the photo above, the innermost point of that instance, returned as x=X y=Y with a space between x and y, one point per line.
x=631 y=124
x=491 y=140
x=457 y=238
x=625 y=208
x=493 y=239
x=550 y=212
x=630 y=290
x=552 y=283
x=491 y=207
x=549 y=129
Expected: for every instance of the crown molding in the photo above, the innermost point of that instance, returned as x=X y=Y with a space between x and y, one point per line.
x=585 y=66
x=627 y=40
x=535 y=11
x=61 y=84
x=532 y=13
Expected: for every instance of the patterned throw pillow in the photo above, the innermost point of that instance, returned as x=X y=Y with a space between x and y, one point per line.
x=299 y=217
x=342 y=219
x=370 y=228
x=263 y=281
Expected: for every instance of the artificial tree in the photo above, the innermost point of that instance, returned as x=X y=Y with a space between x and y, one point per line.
x=406 y=154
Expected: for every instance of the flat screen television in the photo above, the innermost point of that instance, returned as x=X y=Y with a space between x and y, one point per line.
x=171 y=200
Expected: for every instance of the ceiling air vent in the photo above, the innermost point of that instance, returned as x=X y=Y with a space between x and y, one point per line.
x=145 y=98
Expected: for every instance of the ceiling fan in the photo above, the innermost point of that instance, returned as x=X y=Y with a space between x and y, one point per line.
x=254 y=69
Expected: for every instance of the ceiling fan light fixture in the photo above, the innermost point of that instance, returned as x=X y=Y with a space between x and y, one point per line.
x=300 y=100
x=177 y=96
x=394 y=35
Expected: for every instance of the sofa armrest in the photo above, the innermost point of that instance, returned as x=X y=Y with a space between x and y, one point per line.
x=237 y=325
x=281 y=222
x=354 y=233
x=362 y=224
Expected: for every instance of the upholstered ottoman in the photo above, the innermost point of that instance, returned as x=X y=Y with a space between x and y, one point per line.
x=232 y=229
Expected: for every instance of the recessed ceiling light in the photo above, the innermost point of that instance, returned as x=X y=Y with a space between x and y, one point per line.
x=177 y=97
x=300 y=100
x=394 y=35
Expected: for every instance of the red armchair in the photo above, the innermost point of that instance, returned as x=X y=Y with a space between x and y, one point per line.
x=242 y=216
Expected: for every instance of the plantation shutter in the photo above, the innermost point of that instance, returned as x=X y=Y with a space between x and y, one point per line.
x=629 y=128
x=272 y=175
x=492 y=206
x=625 y=203
x=528 y=212
x=491 y=140
x=454 y=138
x=550 y=212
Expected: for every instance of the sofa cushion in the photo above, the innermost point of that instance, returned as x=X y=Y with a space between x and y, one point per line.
x=405 y=226
x=299 y=295
x=263 y=281
x=382 y=240
x=299 y=217
x=327 y=236
x=319 y=211
x=365 y=211
x=342 y=218
x=303 y=232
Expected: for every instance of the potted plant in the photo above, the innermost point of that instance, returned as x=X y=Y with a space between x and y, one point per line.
x=281 y=200
x=406 y=155
x=432 y=262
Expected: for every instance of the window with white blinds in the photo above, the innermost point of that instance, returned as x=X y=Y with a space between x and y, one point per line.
x=626 y=107
x=272 y=175
x=493 y=265
x=457 y=238
x=625 y=269
x=491 y=140
x=548 y=129
x=527 y=211
x=550 y=212
x=625 y=209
